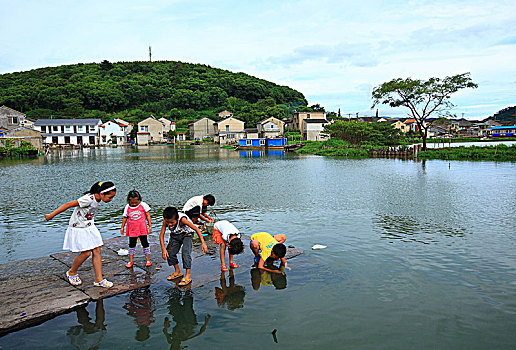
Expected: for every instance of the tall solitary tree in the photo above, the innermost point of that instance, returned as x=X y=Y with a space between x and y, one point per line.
x=422 y=98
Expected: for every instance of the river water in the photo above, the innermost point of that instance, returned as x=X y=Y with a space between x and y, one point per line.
x=420 y=255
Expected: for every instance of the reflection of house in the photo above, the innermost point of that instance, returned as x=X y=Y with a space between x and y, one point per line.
x=270 y=127
x=229 y=130
x=79 y=132
x=150 y=130
x=202 y=129
x=25 y=134
x=10 y=118
x=112 y=133
x=313 y=129
x=300 y=116
x=181 y=136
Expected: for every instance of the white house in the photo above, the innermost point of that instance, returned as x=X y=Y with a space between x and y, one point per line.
x=77 y=132
x=313 y=129
x=112 y=133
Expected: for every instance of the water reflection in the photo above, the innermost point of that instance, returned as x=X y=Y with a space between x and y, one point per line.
x=180 y=306
x=141 y=307
x=408 y=228
x=256 y=154
x=88 y=335
x=265 y=278
x=230 y=296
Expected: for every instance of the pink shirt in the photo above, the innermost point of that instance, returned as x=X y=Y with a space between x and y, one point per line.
x=136 y=219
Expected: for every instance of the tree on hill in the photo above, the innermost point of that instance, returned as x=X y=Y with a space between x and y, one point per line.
x=508 y=113
x=422 y=98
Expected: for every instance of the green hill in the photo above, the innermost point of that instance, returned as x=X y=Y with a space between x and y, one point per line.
x=506 y=114
x=134 y=90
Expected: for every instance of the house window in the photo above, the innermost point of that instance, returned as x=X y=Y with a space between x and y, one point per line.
x=92 y=128
x=13 y=120
x=67 y=128
x=43 y=128
x=248 y=142
x=55 y=128
x=262 y=142
x=79 y=128
x=227 y=128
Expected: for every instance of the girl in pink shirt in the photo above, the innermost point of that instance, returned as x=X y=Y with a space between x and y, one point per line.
x=136 y=215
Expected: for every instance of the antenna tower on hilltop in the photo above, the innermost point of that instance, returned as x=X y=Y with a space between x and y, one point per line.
x=150 y=54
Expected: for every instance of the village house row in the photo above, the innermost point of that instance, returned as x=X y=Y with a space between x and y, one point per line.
x=229 y=130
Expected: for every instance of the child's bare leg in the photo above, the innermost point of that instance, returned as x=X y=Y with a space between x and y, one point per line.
x=187 y=274
x=230 y=259
x=281 y=238
x=222 y=254
x=97 y=264
x=177 y=269
x=78 y=261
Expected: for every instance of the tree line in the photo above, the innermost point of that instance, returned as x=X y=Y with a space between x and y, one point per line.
x=134 y=90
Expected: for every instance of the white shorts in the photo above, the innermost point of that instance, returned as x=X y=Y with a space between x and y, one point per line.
x=80 y=239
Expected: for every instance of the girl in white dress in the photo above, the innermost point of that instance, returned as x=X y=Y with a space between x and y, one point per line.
x=82 y=235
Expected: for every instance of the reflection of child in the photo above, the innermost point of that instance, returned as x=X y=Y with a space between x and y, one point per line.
x=82 y=235
x=181 y=229
x=264 y=247
x=226 y=234
x=183 y=314
x=230 y=295
x=136 y=214
x=88 y=335
x=265 y=278
x=141 y=307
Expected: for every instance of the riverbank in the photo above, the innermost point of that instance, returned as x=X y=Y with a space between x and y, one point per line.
x=340 y=148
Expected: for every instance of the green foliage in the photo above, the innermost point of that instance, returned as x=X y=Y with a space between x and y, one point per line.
x=8 y=148
x=508 y=113
x=334 y=147
x=133 y=90
x=362 y=133
x=293 y=136
x=500 y=152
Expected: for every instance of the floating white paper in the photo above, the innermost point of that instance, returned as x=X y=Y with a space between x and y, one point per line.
x=318 y=246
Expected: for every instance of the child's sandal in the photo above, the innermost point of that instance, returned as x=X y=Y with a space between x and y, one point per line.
x=148 y=263
x=104 y=284
x=74 y=280
x=129 y=265
x=223 y=268
x=233 y=265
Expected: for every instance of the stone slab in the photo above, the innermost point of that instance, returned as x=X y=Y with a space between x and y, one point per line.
x=31 y=291
x=113 y=269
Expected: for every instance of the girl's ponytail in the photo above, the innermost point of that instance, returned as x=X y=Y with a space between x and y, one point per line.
x=100 y=186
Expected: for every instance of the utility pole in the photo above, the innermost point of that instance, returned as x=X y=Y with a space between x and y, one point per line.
x=349 y=117
x=150 y=54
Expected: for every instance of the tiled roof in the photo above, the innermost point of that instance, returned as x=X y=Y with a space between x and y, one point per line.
x=67 y=122
x=316 y=120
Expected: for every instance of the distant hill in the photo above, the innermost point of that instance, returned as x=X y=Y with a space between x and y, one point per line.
x=134 y=90
x=506 y=114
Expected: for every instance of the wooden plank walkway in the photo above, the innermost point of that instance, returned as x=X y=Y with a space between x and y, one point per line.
x=35 y=290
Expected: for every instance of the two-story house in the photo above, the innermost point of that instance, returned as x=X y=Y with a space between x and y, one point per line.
x=298 y=118
x=76 y=132
x=313 y=129
x=229 y=130
x=150 y=130
x=202 y=128
x=270 y=127
x=113 y=133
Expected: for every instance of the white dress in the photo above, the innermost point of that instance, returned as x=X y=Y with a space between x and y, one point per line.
x=82 y=234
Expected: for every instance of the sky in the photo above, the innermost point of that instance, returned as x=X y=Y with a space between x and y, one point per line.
x=334 y=52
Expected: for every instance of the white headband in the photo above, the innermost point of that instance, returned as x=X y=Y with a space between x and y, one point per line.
x=108 y=189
